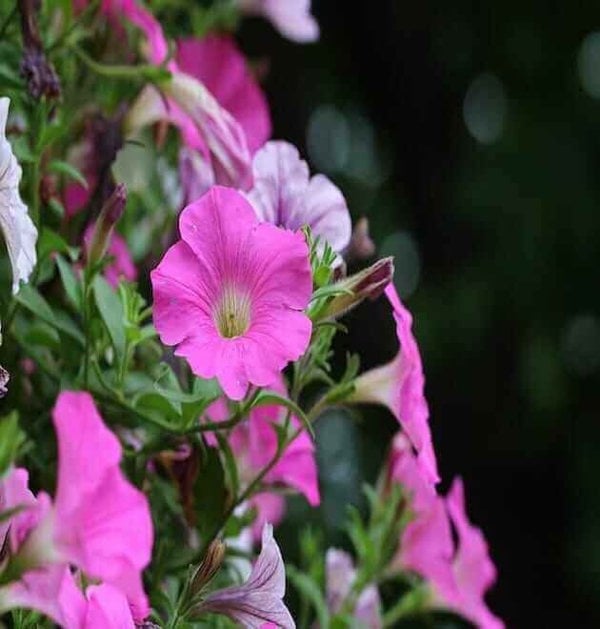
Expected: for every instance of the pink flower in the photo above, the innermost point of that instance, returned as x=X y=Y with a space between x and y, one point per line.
x=186 y=102
x=399 y=385
x=340 y=577
x=291 y=17
x=121 y=266
x=102 y=606
x=254 y=443
x=474 y=571
x=284 y=194
x=217 y=62
x=230 y=294
x=260 y=599
x=37 y=588
x=99 y=522
x=457 y=574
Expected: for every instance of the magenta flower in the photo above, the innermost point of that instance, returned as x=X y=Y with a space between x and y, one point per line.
x=340 y=577
x=291 y=18
x=98 y=522
x=459 y=574
x=474 y=571
x=254 y=442
x=230 y=295
x=260 y=599
x=399 y=385
x=284 y=194
x=102 y=606
x=121 y=265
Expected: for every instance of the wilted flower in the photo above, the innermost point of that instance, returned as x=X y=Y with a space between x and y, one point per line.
x=218 y=63
x=19 y=231
x=399 y=385
x=291 y=17
x=230 y=295
x=340 y=577
x=284 y=194
x=260 y=599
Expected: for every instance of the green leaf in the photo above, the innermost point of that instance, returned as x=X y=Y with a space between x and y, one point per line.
x=271 y=398
x=11 y=440
x=57 y=207
x=64 y=168
x=9 y=79
x=51 y=242
x=210 y=493
x=31 y=299
x=71 y=284
x=311 y=592
x=230 y=462
x=111 y=311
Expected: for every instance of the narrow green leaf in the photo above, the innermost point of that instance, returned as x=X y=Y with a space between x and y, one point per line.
x=71 y=284
x=69 y=171
x=111 y=311
x=11 y=440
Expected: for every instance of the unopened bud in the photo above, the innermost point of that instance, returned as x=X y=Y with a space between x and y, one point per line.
x=366 y=284
x=110 y=214
x=211 y=564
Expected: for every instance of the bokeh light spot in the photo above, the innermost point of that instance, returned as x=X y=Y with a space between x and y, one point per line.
x=328 y=139
x=407 y=261
x=581 y=344
x=588 y=64
x=484 y=108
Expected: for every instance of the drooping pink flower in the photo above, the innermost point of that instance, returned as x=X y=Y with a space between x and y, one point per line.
x=473 y=569
x=121 y=265
x=291 y=18
x=340 y=577
x=254 y=443
x=458 y=574
x=206 y=126
x=260 y=599
x=284 y=194
x=399 y=385
x=230 y=295
x=217 y=62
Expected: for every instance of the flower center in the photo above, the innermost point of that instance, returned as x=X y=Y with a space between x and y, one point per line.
x=232 y=313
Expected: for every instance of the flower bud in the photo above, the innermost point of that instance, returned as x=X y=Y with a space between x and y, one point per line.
x=211 y=564
x=110 y=214
x=366 y=284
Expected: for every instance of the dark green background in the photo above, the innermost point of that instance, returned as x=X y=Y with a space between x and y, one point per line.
x=507 y=238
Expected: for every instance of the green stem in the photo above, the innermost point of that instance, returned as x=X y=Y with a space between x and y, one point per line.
x=410 y=604
x=144 y=72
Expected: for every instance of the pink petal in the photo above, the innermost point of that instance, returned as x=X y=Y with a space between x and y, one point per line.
x=217 y=62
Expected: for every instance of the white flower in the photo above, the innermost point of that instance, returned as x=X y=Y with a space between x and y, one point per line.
x=19 y=231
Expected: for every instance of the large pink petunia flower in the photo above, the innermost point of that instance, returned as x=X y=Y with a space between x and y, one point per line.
x=399 y=385
x=291 y=18
x=230 y=295
x=284 y=194
x=254 y=443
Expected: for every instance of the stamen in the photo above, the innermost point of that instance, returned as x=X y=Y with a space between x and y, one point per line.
x=232 y=313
